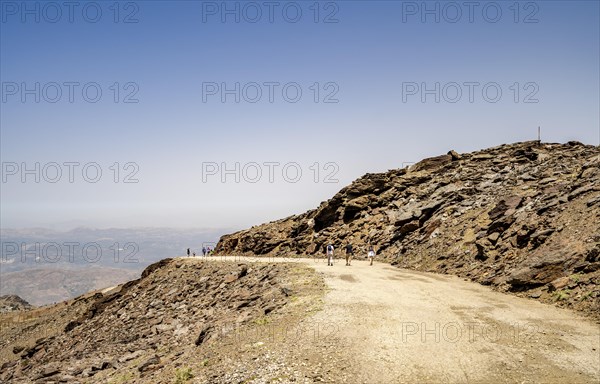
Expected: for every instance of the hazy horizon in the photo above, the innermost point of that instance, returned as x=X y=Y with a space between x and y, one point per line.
x=66 y=226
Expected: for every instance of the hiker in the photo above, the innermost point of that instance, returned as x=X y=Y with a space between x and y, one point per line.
x=188 y=252
x=194 y=254
x=330 y=255
x=203 y=251
x=371 y=254
x=348 y=254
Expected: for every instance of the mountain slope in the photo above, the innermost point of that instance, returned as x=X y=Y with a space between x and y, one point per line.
x=523 y=217
x=181 y=316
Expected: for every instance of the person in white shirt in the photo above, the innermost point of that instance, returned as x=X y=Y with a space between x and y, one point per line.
x=330 y=255
x=371 y=254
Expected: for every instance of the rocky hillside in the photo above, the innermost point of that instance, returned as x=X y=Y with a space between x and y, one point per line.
x=10 y=303
x=523 y=218
x=182 y=319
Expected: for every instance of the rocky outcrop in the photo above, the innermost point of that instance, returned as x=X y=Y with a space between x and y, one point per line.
x=144 y=328
x=10 y=303
x=517 y=217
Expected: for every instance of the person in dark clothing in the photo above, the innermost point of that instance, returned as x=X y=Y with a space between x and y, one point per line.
x=203 y=251
x=349 y=254
x=188 y=252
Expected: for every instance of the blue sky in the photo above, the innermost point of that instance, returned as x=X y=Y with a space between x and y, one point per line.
x=178 y=58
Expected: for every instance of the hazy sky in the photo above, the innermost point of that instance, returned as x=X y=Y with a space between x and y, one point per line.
x=170 y=93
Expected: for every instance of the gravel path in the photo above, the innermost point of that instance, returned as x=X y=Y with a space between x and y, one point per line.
x=400 y=326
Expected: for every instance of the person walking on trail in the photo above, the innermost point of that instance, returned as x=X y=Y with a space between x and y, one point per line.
x=188 y=252
x=348 y=254
x=330 y=255
x=203 y=251
x=371 y=254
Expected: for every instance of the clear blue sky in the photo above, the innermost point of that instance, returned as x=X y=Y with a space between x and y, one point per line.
x=367 y=55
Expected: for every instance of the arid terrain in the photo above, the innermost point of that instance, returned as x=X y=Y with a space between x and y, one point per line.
x=254 y=320
x=487 y=271
x=180 y=316
x=523 y=218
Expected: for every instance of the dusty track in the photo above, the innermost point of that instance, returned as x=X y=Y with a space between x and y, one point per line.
x=401 y=326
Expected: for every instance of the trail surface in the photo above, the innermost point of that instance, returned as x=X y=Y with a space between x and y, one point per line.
x=401 y=326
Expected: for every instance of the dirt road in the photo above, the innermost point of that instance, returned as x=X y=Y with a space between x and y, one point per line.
x=401 y=326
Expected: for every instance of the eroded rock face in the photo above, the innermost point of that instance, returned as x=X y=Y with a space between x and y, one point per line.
x=516 y=217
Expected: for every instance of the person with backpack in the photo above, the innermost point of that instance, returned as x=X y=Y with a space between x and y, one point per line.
x=371 y=254
x=349 y=253
x=330 y=255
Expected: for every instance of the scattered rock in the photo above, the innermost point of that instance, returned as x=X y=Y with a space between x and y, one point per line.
x=176 y=308
x=559 y=283
x=455 y=156
x=131 y=356
x=149 y=364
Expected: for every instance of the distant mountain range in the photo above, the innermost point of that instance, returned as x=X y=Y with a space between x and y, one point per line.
x=43 y=266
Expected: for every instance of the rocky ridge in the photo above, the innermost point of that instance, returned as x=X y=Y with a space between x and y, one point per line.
x=10 y=303
x=523 y=218
x=181 y=319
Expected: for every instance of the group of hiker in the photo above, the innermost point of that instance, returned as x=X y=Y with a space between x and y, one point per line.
x=349 y=254
x=206 y=251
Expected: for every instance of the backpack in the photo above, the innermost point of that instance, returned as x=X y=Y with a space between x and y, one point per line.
x=330 y=248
